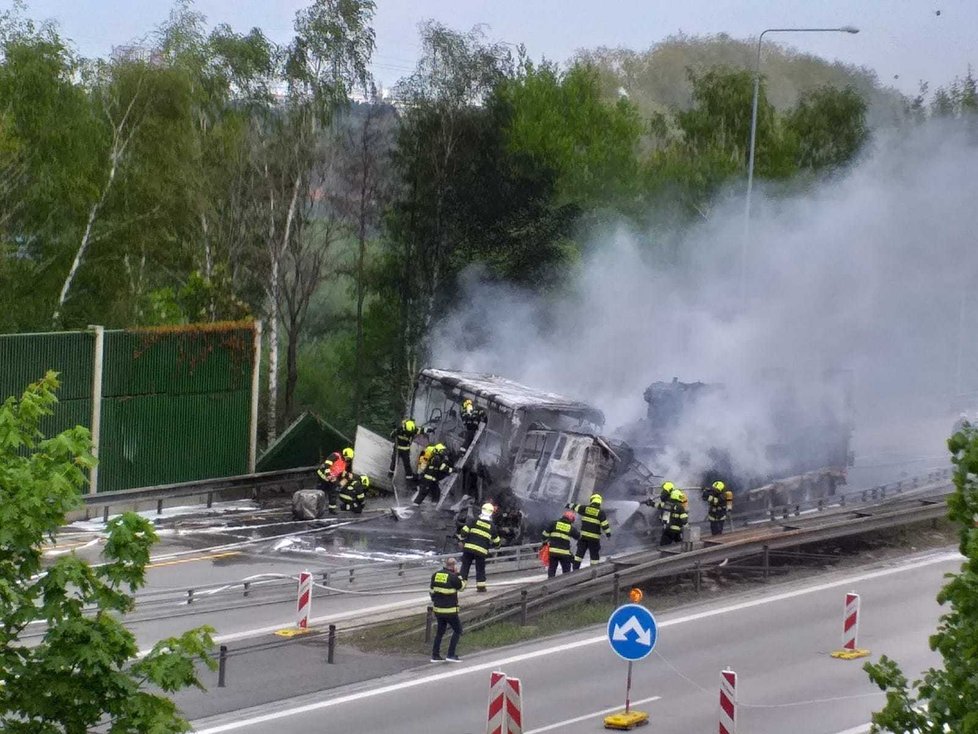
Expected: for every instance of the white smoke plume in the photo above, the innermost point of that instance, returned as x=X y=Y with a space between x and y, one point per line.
x=873 y=271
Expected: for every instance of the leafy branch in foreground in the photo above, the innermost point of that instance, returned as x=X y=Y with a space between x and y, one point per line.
x=86 y=669
x=945 y=699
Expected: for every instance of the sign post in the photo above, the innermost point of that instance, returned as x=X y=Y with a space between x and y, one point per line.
x=632 y=634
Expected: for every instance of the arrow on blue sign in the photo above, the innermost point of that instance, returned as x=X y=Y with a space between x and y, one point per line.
x=632 y=631
x=643 y=636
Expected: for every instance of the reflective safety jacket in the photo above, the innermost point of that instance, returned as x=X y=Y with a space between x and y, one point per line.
x=559 y=534
x=353 y=493
x=478 y=536
x=334 y=467
x=594 y=521
x=445 y=586
x=438 y=467
x=674 y=515
x=472 y=418
x=718 y=502
x=403 y=437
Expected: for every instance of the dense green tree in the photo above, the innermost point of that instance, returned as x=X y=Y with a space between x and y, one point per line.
x=945 y=699
x=85 y=671
x=828 y=128
x=561 y=122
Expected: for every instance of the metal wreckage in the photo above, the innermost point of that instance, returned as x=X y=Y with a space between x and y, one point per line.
x=538 y=451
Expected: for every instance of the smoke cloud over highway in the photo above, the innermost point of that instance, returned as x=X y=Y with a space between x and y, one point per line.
x=871 y=271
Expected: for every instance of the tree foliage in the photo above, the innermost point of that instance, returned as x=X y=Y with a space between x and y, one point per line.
x=945 y=699
x=85 y=670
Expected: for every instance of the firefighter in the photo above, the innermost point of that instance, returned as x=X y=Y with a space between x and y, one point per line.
x=594 y=521
x=436 y=468
x=472 y=417
x=445 y=585
x=476 y=538
x=335 y=472
x=559 y=535
x=354 y=495
x=719 y=503
x=674 y=517
x=403 y=436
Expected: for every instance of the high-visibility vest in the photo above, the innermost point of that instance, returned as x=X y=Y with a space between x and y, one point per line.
x=444 y=589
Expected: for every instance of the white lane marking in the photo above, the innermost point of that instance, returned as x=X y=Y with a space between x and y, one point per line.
x=561 y=724
x=496 y=664
x=863 y=729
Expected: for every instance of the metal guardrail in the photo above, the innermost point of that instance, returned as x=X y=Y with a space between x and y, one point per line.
x=605 y=578
x=253 y=485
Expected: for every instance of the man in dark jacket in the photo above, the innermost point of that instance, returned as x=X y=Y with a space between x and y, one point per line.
x=559 y=535
x=335 y=472
x=445 y=585
x=477 y=537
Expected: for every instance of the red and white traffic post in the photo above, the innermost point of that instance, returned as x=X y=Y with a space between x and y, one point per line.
x=505 y=705
x=304 y=601
x=728 y=702
x=850 y=630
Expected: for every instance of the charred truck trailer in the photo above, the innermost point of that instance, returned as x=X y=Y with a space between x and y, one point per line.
x=538 y=451
x=800 y=432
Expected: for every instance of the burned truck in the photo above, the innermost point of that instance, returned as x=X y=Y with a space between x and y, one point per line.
x=536 y=451
x=782 y=440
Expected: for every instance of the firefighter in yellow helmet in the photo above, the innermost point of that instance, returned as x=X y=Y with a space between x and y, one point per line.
x=674 y=517
x=403 y=436
x=472 y=417
x=437 y=467
x=354 y=495
x=719 y=504
x=335 y=472
x=594 y=522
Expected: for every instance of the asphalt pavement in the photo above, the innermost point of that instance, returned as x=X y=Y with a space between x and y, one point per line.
x=777 y=639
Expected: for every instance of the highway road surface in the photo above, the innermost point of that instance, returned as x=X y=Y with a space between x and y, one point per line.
x=778 y=640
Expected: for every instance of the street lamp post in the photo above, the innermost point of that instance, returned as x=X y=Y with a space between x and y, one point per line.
x=753 y=135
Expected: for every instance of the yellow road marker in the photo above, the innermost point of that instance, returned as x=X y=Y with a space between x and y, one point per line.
x=294 y=631
x=850 y=654
x=625 y=721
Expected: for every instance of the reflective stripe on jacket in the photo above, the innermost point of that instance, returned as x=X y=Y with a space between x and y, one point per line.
x=403 y=437
x=717 y=503
x=332 y=468
x=677 y=516
x=437 y=468
x=478 y=536
x=472 y=418
x=594 y=521
x=445 y=586
x=559 y=535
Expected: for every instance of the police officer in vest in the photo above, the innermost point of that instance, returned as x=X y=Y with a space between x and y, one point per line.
x=403 y=436
x=477 y=537
x=354 y=495
x=559 y=535
x=594 y=522
x=445 y=585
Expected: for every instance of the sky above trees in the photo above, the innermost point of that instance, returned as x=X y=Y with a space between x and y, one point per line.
x=905 y=42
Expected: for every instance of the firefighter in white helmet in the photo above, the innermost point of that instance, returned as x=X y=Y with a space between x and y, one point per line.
x=477 y=538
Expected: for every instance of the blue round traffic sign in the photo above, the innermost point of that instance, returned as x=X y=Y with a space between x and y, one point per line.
x=632 y=631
